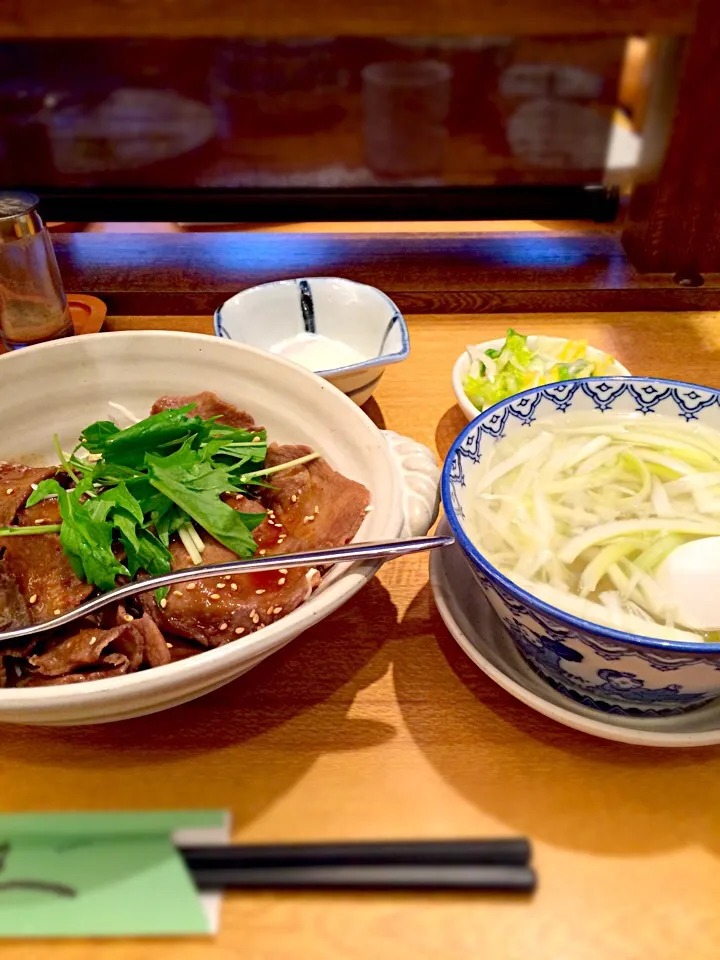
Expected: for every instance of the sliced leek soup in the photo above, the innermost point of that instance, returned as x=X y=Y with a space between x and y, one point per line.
x=581 y=511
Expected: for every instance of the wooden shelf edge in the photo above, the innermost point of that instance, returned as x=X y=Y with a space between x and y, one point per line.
x=181 y=274
x=279 y=18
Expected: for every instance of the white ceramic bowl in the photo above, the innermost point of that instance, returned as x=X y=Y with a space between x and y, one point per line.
x=535 y=342
x=346 y=332
x=62 y=386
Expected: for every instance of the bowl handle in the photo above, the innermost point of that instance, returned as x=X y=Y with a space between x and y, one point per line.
x=420 y=479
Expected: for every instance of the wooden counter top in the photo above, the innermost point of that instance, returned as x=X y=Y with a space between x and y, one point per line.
x=375 y=725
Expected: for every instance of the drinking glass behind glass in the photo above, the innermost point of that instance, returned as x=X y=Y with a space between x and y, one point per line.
x=405 y=109
x=33 y=305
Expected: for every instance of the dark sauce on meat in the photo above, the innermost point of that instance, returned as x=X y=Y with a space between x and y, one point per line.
x=311 y=506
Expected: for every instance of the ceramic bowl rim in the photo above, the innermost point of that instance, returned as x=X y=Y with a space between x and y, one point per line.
x=209 y=664
x=466 y=404
x=567 y=619
x=384 y=360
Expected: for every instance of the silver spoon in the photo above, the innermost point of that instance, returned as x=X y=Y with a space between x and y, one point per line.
x=373 y=550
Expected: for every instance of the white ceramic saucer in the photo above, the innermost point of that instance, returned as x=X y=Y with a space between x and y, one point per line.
x=475 y=626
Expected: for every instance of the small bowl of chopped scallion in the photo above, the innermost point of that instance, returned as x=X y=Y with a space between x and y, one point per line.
x=494 y=370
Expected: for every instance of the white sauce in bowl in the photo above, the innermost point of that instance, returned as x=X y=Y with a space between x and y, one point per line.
x=316 y=352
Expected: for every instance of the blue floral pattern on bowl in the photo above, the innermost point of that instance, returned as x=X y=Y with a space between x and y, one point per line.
x=612 y=671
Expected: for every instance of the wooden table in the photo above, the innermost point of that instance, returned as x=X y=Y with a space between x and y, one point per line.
x=374 y=724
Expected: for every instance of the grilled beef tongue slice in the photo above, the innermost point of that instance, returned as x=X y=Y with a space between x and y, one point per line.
x=309 y=507
x=208 y=405
x=86 y=652
x=41 y=570
x=16 y=485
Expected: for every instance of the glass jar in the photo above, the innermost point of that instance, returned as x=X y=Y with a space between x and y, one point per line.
x=33 y=305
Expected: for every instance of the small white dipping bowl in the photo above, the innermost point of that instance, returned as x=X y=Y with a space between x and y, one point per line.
x=344 y=331
x=63 y=386
x=535 y=342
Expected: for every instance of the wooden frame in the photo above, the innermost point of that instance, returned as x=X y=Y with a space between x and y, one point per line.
x=286 y=18
x=674 y=216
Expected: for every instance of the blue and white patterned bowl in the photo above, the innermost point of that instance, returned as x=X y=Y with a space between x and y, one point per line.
x=359 y=327
x=615 y=672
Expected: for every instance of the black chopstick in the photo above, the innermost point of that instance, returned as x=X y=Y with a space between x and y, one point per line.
x=513 y=851
x=507 y=878
x=500 y=865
